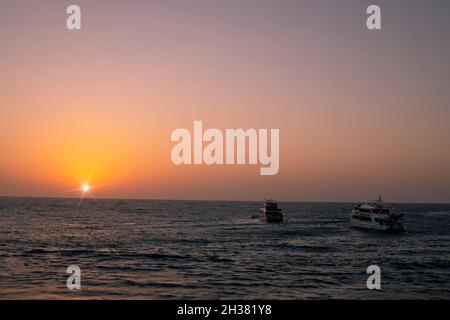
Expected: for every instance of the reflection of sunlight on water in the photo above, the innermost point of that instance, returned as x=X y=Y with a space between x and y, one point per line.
x=198 y=250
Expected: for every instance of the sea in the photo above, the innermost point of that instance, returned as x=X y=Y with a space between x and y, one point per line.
x=158 y=249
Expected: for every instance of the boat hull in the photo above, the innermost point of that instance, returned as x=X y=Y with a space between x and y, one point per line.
x=271 y=216
x=395 y=227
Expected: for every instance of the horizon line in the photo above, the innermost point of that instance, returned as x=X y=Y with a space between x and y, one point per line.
x=205 y=200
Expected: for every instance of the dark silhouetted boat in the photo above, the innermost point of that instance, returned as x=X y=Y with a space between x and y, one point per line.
x=270 y=211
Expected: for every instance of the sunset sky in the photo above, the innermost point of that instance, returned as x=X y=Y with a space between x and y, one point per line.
x=360 y=112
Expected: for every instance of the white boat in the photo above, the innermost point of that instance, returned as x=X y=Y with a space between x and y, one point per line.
x=270 y=211
x=376 y=215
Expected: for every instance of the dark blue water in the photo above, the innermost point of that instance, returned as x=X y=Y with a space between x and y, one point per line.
x=130 y=249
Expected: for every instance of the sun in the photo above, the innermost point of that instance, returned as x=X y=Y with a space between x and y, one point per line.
x=85 y=187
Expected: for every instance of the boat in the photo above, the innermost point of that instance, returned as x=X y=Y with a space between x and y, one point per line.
x=376 y=215
x=270 y=211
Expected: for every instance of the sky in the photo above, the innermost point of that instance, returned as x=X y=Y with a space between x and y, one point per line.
x=360 y=112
